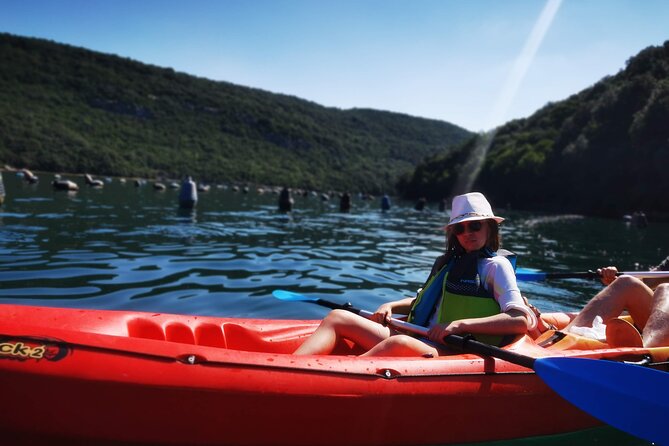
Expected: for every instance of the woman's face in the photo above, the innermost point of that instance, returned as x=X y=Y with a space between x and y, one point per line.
x=472 y=235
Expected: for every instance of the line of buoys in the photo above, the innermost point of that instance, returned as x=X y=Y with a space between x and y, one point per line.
x=188 y=195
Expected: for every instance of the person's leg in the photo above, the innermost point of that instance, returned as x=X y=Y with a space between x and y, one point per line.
x=625 y=293
x=402 y=345
x=656 y=331
x=343 y=324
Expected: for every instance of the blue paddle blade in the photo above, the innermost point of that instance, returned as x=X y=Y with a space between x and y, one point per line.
x=289 y=295
x=529 y=275
x=629 y=397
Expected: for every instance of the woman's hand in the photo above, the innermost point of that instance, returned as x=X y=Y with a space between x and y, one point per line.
x=383 y=314
x=607 y=275
x=438 y=332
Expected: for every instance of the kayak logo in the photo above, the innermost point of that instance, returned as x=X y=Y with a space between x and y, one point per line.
x=31 y=348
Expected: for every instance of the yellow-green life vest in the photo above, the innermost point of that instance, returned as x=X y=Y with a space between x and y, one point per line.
x=463 y=300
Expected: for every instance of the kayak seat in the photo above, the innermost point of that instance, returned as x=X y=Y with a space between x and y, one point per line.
x=241 y=338
x=179 y=332
x=621 y=332
x=268 y=341
x=207 y=334
x=559 y=340
x=210 y=335
x=146 y=329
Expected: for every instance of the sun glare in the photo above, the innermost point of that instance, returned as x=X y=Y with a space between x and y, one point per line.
x=507 y=94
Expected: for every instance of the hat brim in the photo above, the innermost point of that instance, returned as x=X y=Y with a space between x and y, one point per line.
x=457 y=220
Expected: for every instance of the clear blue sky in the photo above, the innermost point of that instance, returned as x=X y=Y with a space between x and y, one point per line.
x=443 y=59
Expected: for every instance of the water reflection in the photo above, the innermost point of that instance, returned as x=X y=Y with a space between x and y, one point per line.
x=124 y=246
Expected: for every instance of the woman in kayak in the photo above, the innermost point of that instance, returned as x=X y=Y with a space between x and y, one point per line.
x=471 y=290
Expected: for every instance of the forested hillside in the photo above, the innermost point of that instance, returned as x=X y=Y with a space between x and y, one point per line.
x=603 y=151
x=69 y=109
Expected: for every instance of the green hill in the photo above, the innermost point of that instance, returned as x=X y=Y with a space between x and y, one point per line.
x=603 y=151
x=70 y=109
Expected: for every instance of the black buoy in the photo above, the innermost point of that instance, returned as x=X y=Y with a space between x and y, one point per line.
x=385 y=203
x=420 y=204
x=345 y=202
x=285 y=200
x=188 y=194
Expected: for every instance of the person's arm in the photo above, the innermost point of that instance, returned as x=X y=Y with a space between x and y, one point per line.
x=383 y=314
x=511 y=322
x=608 y=275
x=501 y=279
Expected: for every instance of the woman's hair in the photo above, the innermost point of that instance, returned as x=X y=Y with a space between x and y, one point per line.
x=493 y=243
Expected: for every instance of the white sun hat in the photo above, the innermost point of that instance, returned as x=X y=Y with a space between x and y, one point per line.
x=471 y=206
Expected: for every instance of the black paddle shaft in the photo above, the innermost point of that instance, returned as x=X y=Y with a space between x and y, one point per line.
x=469 y=344
x=335 y=306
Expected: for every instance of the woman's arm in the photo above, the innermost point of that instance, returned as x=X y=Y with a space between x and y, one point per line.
x=501 y=280
x=383 y=314
x=511 y=322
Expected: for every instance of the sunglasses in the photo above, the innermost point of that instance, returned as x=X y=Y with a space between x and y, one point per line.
x=472 y=226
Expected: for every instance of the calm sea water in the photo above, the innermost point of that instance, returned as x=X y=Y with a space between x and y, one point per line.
x=128 y=247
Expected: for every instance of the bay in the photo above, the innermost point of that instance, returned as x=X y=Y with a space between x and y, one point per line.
x=130 y=247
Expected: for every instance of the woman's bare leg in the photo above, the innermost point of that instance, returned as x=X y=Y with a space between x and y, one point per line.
x=625 y=293
x=656 y=331
x=343 y=324
x=402 y=345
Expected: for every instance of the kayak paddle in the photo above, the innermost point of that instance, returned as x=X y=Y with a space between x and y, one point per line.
x=629 y=397
x=531 y=275
x=295 y=297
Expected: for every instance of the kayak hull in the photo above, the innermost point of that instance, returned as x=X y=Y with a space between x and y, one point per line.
x=131 y=377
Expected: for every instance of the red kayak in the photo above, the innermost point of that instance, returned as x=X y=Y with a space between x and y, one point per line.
x=104 y=377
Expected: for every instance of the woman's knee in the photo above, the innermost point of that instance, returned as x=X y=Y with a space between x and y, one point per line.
x=339 y=317
x=628 y=283
x=398 y=341
x=661 y=297
x=662 y=290
x=404 y=345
